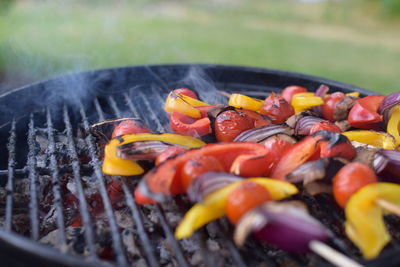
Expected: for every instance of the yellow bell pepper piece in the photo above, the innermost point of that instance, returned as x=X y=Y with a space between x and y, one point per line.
x=355 y=94
x=183 y=104
x=181 y=140
x=373 y=138
x=304 y=101
x=213 y=206
x=364 y=217
x=394 y=123
x=114 y=165
x=246 y=102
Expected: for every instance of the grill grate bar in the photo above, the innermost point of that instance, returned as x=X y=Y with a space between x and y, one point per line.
x=170 y=237
x=58 y=202
x=46 y=170
x=113 y=105
x=116 y=238
x=230 y=245
x=167 y=230
x=83 y=206
x=144 y=238
x=131 y=106
x=31 y=163
x=10 y=181
x=98 y=109
x=152 y=116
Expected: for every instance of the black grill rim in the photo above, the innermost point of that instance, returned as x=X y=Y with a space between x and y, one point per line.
x=18 y=244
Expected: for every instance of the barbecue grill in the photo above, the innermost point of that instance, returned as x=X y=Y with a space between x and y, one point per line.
x=46 y=153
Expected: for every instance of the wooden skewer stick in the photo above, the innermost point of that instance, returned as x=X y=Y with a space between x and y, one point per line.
x=226 y=94
x=384 y=204
x=332 y=255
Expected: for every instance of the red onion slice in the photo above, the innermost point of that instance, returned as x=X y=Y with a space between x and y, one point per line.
x=387 y=165
x=284 y=225
x=260 y=134
x=304 y=124
x=387 y=105
x=208 y=183
x=321 y=92
x=389 y=101
x=142 y=150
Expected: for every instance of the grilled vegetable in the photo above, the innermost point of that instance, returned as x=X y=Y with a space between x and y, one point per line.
x=284 y=225
x=186 y=125
x=129 y=127
x=377 y=139
x=196 y=166
x=115 y=165
x=290 y=91
x=321 y=144
x=276 y=108
x=213 y=206
x=350 y=179
x=104 y=131
x=246 y=102
x=183 y=104
x=364 y=113
x=304 y=101
x=166 y=179
x=364 y=216
x=394 y=123
x=388 y=103
x=387 y=165
x=243 y=198
x=230 y=123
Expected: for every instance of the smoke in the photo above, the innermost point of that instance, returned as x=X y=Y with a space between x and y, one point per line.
x=198 y=80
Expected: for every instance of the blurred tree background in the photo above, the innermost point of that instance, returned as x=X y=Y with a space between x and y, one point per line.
x=352 y=41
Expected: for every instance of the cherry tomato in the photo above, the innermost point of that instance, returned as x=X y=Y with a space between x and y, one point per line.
x=350 y=179
x=196 y=166
x=243 y=198
x=129 y=127
x=364 y=113
x=230 y=124
x=186 y=125
x=276 y=108
x=277 y=147
x=186 y=92
x=289 y=91
x=329 y=106
x=325 y=126
x=168 y=153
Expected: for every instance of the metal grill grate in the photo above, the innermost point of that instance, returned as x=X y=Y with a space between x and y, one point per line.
x=213 y=243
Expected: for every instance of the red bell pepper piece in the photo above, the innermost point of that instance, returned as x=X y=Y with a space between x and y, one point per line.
x=186 y=125
x=294 y=157
x=364 y=114
x=168 y=153
x=321 y=144
x=325 y=126
x=166 y=179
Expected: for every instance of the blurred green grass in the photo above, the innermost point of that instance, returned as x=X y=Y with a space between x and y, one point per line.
x=349 y=41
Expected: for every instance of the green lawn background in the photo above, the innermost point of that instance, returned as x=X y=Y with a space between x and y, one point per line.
x=351 y=41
